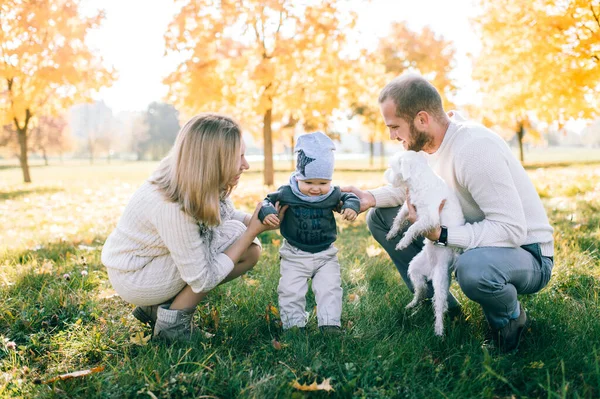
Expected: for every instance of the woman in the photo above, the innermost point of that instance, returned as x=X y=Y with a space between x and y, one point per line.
x=180 y=235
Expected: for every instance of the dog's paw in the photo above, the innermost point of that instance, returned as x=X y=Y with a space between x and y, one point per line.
x=404 y=243
x=412 y=303
x=391 y=235
x=439 y=329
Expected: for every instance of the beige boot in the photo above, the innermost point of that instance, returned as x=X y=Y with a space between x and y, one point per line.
x=174 y=324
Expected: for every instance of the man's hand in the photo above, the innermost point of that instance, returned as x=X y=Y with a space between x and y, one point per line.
x=433 y=234
x=366 y=198
x=349 y=214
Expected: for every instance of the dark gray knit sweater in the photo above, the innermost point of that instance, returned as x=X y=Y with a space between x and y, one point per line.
x=309 y=226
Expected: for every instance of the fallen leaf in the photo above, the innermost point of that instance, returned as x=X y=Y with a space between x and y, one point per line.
x=75 y=374
x=140 y=339
x=276 y=241
x=46 y=267
x=252 y=282
x=324 y=386
x=214 y=313
x=274 y=311
x=353 y=298
x=373 y=250
x=107 y=293
x=276 y=344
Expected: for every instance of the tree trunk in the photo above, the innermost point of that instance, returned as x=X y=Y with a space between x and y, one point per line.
x=22 y=136
x=371 y=151
x=269 y=174
x=382 y=154
x=45 y=156
x=520 y=134
x=91 y=147
x=292 y=164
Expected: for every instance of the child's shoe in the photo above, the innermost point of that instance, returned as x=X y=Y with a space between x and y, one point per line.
x=331 y=330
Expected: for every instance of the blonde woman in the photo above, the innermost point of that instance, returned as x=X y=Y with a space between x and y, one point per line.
x=180 y=235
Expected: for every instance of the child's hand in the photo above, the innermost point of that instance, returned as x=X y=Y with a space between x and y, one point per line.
x=349 y=214
x=271 y=220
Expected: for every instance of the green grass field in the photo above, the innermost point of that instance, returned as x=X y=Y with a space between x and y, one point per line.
x=58 y=313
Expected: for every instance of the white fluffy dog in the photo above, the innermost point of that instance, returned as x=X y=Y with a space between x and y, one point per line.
x=427 y=190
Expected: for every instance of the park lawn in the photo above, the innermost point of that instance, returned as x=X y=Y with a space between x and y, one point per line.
x=58 y=313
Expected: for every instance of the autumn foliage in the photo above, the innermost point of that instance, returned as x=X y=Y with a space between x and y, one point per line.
x=45 y=64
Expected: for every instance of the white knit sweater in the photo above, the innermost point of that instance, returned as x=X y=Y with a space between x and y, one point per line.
x=500 y=203
x=153 y=229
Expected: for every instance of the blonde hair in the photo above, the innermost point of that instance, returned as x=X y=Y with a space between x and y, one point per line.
x=198 y=170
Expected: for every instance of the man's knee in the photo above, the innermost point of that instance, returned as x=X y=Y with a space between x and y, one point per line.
x=379 y=220
x=470 y=269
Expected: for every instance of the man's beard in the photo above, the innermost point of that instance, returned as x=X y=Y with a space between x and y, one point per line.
x=418 y=139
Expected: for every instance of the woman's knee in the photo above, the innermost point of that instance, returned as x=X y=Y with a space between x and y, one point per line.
x=251 y=255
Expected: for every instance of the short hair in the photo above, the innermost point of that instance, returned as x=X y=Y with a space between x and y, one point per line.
x=199 y=168
x=411 y=93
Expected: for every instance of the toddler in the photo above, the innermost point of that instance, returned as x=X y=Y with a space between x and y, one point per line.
x=309 y=231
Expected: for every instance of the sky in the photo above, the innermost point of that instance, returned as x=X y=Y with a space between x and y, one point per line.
x=131 y=40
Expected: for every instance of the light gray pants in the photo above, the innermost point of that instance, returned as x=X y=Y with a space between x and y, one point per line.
x=296 y=268
x=490 y=276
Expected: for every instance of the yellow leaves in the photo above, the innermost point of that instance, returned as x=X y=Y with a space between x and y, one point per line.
x=45 y=268
x=140 y=339
x=324 y=386
x=214 y=315
x=107 y=294
x=353 y=298
x=251 y=282
x=550 y=78
x=48 y=66
x=374 y=250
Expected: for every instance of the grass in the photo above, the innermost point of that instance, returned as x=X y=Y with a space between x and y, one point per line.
x=58 y=313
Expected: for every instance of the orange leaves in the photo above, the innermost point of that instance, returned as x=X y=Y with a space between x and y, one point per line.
x=522 y=75
x=75 y=374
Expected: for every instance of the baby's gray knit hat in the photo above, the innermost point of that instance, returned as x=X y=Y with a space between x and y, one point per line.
x=315 y=156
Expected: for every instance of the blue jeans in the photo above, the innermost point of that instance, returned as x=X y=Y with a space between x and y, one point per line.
x=490 y=276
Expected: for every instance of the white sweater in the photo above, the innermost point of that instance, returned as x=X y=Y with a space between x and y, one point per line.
x=500 y=203
x=153 y=229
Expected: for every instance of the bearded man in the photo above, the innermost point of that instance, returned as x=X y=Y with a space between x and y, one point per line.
x=507 y=240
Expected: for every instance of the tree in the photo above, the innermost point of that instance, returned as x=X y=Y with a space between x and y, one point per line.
x=162 y=122
x=540 y=61
x=259 y=60
x=93 y=124
x=50 y=135
x=44 y=62
x=400 y=51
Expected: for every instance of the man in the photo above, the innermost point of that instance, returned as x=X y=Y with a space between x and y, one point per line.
x=507 y=238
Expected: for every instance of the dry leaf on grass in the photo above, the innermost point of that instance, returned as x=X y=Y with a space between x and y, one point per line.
x=324 y=386
x=75 y=374
x=373 y=250
x=276 y=344
x=107 y=294
x=352 y=298
x=140 y=339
